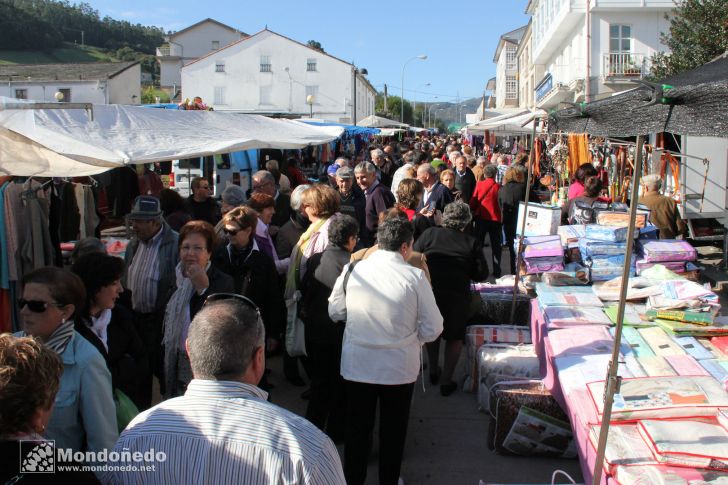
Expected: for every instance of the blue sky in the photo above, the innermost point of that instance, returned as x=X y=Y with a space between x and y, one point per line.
x=458 y=37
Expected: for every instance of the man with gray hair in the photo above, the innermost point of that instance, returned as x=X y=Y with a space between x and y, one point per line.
x=265 y=183
x=385 y=166
x=223 y=426
x=390 y=312
x=663 y=209
x=378 y=199
x=436 y=196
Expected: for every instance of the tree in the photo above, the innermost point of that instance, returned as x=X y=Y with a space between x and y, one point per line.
x=698 y=34
x=394 y=108
x=314 y=44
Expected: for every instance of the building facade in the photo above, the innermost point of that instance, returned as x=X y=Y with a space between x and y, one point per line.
x=506 y=84
x=93 y=82
x=189 y=44
x=268 y=73
x=590 y=49
x=529 y=73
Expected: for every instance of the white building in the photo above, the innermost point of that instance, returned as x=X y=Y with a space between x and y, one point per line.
x=189 y=44
x=529 y=73
x=590 y=49
x=93 y=82
x=506 y=83
x=268 y=73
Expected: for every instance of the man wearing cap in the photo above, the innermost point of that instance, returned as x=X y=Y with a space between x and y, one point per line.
x=378 y=199
x=150 y=258
x=353 y=201
x=663 y=210
x=202 y=206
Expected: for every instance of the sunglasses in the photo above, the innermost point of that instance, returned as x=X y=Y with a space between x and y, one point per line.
x=229 y=232
x=37 y=306
x=233 y=296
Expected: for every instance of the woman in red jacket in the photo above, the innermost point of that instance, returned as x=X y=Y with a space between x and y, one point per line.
x=487 y=215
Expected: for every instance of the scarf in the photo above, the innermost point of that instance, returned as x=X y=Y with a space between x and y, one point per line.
x=176 y=324
x=99 y=326
x=294 y=268
x=59 y=339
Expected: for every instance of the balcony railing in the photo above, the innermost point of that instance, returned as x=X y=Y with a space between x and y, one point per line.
x=169 y=50
x=624 y=65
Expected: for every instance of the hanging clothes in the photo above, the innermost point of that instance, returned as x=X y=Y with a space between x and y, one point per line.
x=578 y=151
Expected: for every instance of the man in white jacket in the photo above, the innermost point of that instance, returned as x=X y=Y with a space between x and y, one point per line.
x=390 y=312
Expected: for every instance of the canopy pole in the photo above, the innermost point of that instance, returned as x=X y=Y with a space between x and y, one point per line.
x=613 y=380
x=531 y=161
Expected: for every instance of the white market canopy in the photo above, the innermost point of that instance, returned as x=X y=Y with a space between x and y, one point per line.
x=374 y=121
x=68 y=142
x=511 y=123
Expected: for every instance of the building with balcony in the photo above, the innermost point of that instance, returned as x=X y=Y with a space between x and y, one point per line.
x=506 y=84
x=189 y=44
x=90 y=82
x=591 y=49
x=528 y=72
x=268 y=73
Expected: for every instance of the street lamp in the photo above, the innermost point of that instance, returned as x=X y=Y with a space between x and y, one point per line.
x=414 y=108
x=310 y=99
x=59 y=96
x=429 y=114
x=421 y=57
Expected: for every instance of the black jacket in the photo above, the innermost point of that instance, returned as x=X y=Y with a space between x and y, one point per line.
x=322 y=271
x=354 y=205
x=220 y=282
x=126 y=357
x=509 y=197
x=440 y=197
x=283 y=210
x=257 y=279
x=465 y=184
x=207 y=211
x=380 y=199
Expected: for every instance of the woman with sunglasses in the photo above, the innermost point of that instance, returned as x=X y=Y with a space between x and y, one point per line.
x=253 y=272
x=83 y=416
x=196 y=279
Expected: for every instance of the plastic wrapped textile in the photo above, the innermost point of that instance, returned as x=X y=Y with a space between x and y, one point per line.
x=606 y=233
x=691 y=329
x=578 y=341
x=721 y=343
x=536 y=266
x=655 y=251
x=686 y=290
x=576 y=371
x=591 y=248
x=649 y=232
x=566 y=296
x=656 y=366
x=717 y=353
x=507 y=400
x=662 y=397
x=674 y=266
x=478 y=335
x=625 y=446
x=699 y=318
x=542 y=247
x=505 y=362
x=686 y=365
x=634 y=315
x=668 y=475
x=495 y=309
x=571 y=234
x=606 y=273
x=563 y=316
x=636 y=342
x=619 y=219
x=480 y=287
x=537 y=434
x=579 y=277
x=717 y=368
x=693 y=347
x=660 y=342
x=616 y=260
x=693 y=443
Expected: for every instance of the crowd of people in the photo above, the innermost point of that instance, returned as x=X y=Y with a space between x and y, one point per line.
x=373 y=262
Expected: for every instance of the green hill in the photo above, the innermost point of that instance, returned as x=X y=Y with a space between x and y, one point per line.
x=69 y=53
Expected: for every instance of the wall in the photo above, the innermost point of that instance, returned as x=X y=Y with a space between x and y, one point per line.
x=197 y=42
x=125 y=85
x=242 y=79
x=81 y=91
x=169 y=72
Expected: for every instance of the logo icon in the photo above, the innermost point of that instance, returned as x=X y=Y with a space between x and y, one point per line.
x=38 y=456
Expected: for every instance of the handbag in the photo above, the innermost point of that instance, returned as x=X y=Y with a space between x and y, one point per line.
x=295 y=328
x=126 y=410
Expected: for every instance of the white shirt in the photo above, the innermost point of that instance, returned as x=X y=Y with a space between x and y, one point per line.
x=398 y=177
x=390 y=311
x=226 y=432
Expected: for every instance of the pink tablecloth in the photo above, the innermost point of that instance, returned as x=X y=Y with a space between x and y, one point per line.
x=577 y=405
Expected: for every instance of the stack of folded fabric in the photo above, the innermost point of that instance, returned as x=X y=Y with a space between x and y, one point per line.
x=543 y=253
x=673 y=254
x=570 y=236
x=603 y=250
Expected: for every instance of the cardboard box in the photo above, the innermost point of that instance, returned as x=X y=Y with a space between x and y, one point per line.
x=541 y=220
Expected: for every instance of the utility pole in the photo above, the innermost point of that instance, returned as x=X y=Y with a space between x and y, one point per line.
x=385 y=99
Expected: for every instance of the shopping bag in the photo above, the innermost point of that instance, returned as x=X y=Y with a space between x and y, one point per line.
x=125 y=410
x=295 y=331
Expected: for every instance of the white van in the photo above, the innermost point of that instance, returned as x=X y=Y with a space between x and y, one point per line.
x=221 y=170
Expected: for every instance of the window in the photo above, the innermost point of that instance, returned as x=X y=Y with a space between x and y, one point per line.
x=311 y=65
x=511 y=87
x=21 y=94
x=66 y=92
x=620 y=38
x=215 y=45
x=510 y=57
x=219 y=66
x=312 y=91
x=265 y=64
x=219 y=97
x=266 y=94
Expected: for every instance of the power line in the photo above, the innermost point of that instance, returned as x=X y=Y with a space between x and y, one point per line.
x=424 y=92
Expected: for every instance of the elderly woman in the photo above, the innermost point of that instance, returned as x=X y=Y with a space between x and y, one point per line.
x=447 y=178
x=83 y=416
x=454 y=259
x=324 y=336
x=253 y=272
x=29 y=380
x=510 y=196
x=487 y=214
x=264 y=205
x=108 y=326
x=197 y=278
x=297 y=224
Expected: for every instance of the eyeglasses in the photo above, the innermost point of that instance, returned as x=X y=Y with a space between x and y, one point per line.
x=231 y=232
x=37 y=306
x=234 y=296
x=191 y=249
